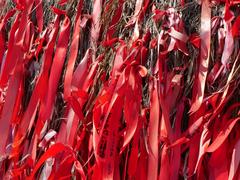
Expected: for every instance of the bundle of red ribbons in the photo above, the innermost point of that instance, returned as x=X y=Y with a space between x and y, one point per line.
x=114 y=89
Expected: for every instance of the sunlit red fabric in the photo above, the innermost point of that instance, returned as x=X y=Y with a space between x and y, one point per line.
x=119 y=90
